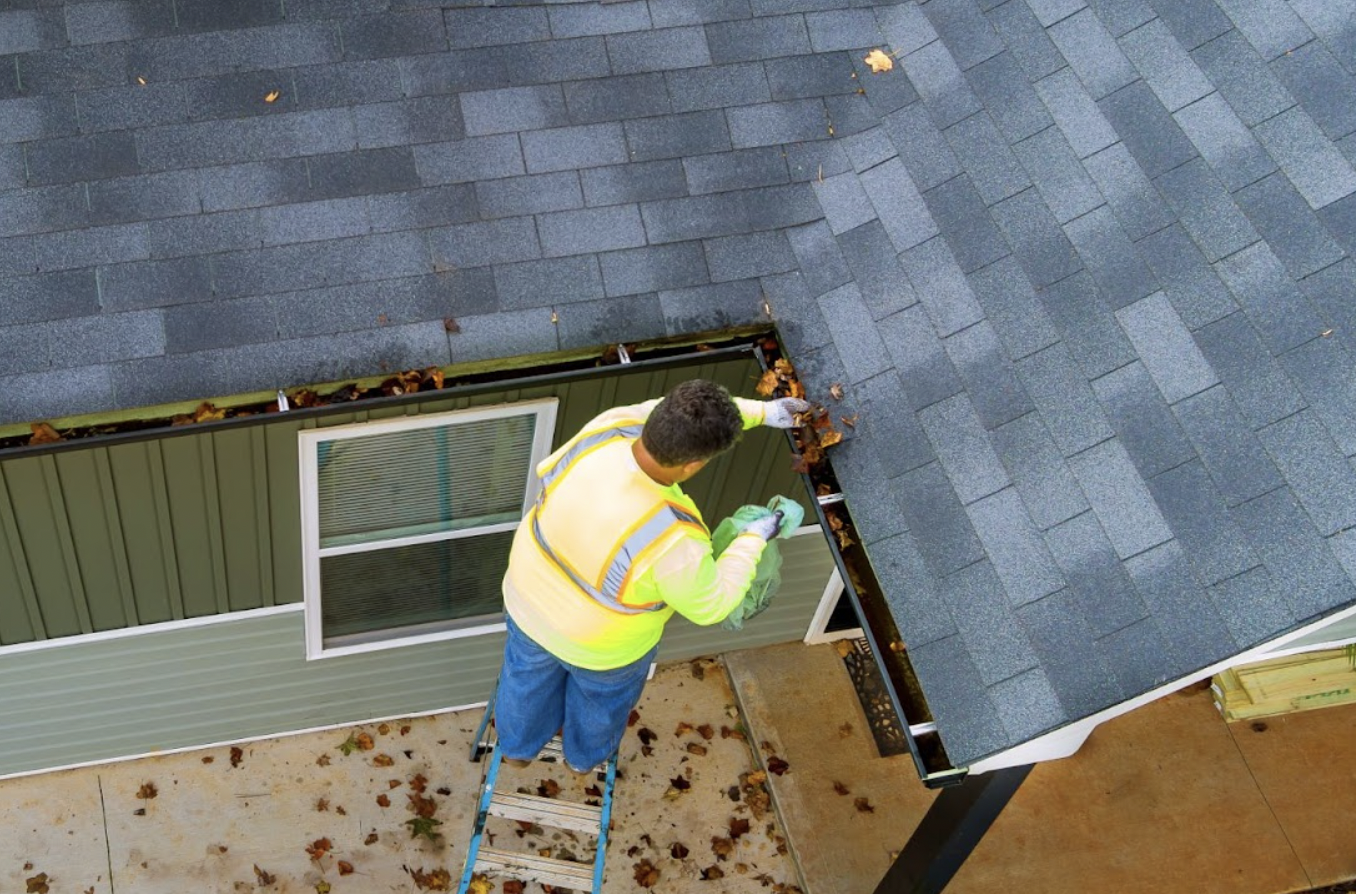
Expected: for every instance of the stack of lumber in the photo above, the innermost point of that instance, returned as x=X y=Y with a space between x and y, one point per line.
x=1282 y=685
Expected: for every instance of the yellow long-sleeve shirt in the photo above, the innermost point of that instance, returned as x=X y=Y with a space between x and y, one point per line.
x=679 y=571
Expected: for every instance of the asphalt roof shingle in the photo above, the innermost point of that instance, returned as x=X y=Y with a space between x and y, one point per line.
x=1083 y=267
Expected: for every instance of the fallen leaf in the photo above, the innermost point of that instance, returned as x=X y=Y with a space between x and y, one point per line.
x=863 y=806
x=236 y=756
x=767 y=384
x=383 y=729
x=207 y=413
x=365 y=742
x=422 y=806
x=43 y=434
x=265 y=878
x=208 y=759
x=836 y=390
x=727 y=733
x=840 y=788
x=322 y=887
x=721 y=847
x=738 y=826
x=549 y=788
x=843 y=647
x=322 y=805
x=383 y=801
x=680 y=783
x=512 y=886
x=345 y=867
x=323 y=760
x=678 y=850
x=732 y=793
x=829 y=438
x=694 y=748
x=272 y=95
x=394 y=783
x=37 y=884
x=706 y=732
x=593 y=791
x=646 y=735
x=441 y=880
x=340 y=810
x=425 y=826
x=777 y=766
x=405 y=730
x=633 y=718
x=147 y=791
x=683 y=727
x=372 y=838
x=757 y=777
x=646 y=874
x=698 y=670
x=418 y=783
x=712 y=872
x=383 y=760
x=845 y=730
x=849 y=421
x=319 y=848
x=879 y=62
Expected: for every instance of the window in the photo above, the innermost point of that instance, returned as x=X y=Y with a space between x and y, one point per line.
x=406 y=524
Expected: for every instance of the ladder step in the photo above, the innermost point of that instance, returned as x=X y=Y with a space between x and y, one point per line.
x=547 y=812
x=553 y=749
x=532 y=868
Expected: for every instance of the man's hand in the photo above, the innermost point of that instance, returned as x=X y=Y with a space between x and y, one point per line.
x=767 y=528
x=781 y=413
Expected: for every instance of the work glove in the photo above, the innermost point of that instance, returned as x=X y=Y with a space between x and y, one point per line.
x=781 y=413
x=767 y=527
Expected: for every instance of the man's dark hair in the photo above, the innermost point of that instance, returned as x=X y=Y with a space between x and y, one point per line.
x=696 y=420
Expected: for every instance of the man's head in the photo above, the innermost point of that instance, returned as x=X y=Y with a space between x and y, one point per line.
x=694 y=423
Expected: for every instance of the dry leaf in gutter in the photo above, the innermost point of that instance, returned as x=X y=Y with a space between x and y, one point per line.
x=272 y=95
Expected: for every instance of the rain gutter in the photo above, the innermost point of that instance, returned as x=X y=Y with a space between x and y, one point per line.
x=931 y=777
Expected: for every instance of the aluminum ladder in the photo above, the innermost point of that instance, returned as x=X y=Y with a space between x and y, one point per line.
x=546 y=812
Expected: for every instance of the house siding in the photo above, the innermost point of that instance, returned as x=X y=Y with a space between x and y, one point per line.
x=105 y=537
x=245 y=676
x=203 y=527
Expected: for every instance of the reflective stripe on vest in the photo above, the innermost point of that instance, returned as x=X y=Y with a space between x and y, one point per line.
x=582 y=446
x=617 y=571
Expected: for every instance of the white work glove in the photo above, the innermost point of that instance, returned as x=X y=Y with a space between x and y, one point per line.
x=781 y=413
x=767 y=528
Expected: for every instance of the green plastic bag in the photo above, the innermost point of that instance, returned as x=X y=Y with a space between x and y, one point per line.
x=767 y=579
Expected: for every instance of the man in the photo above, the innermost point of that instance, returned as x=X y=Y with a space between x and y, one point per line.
x=611 y=550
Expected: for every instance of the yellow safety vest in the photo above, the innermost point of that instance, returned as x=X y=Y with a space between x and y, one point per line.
x=598 y=565
x=608 y=554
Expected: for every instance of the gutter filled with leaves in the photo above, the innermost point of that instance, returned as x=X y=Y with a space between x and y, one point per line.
x=810 y=443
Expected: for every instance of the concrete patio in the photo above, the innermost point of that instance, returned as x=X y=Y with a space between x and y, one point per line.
x=1168 y=799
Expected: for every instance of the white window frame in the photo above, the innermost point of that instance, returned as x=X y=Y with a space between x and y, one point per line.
x=307 y=445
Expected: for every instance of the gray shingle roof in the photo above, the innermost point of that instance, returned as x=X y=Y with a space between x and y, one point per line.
x=1082 y=267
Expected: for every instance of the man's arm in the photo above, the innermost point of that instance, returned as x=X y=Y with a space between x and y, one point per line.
x=700 y=587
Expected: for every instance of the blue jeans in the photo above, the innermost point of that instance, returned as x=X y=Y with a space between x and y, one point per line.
x=539 y=694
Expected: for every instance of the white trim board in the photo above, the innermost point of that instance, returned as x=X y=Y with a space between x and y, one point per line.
x=80 y=639
x=1068 y=739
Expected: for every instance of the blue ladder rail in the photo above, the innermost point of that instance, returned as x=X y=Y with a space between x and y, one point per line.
x=547 y=812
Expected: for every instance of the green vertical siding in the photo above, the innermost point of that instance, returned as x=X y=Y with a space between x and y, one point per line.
x=193 y=524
